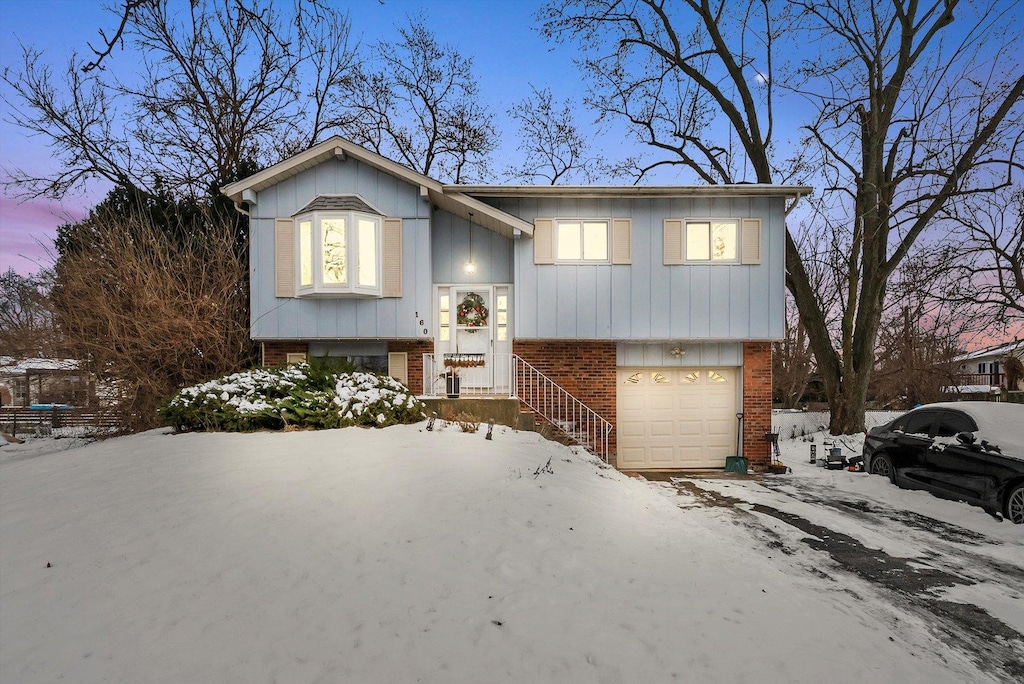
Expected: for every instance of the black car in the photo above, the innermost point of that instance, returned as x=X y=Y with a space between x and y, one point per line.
x=969 y=451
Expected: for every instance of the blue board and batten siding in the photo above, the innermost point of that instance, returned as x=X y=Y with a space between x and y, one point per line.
x=643 y=301
x=492 y=253
x=648 y=300
x=338 y=318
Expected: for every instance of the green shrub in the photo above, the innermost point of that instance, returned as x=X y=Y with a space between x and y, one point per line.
x=368 y=399
x=302 y=395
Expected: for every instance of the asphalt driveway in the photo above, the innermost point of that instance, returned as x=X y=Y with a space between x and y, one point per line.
x=965 y=582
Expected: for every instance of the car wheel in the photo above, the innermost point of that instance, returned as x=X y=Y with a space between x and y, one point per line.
x=881 y=464
x=1014 y=507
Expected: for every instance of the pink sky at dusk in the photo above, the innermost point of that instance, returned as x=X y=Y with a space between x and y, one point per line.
x=27 y=230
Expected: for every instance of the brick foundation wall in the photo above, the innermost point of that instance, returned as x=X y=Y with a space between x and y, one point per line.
x=276 y=353
x=415 y=349
x=757 y=402
x=584 y=368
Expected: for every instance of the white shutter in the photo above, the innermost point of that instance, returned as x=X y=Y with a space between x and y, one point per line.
x=284 y=258
x=398 y=366
x=673 y=242
x=622 y=241
x=391 y=278
x=750 y=250
x=543 y=241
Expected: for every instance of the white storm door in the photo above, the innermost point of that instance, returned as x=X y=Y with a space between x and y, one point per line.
x=464 y=332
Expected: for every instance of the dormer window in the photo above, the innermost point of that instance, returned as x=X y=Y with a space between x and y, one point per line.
x=338 y=248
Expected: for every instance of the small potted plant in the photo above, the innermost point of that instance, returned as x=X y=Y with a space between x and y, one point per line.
x=451 y=381
x=453 y=364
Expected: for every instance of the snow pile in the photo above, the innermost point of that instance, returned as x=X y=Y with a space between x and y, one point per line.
x=401 y=555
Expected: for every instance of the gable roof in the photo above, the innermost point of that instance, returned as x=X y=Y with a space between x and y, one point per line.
x=451 y=199
x=998 y=350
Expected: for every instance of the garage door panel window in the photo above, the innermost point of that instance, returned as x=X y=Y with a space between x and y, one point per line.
x=716 y=378
x=634 y=379
x=690 y=378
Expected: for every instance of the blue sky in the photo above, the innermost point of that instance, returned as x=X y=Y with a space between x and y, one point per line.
x=507 y=54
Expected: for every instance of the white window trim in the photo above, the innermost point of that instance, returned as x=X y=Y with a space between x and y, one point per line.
x=352 y=288
x=735 y=261
x=608 y=240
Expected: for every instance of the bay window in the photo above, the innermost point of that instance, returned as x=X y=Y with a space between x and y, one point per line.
x=339 y=253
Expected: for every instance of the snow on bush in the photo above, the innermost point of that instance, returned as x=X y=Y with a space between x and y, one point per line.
x=367 y=399
x=300 y=395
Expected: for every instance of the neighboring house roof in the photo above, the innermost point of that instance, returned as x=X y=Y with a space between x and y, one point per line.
x=1016 y=346
x=461 y=200
x=15 y=367
x=338 y=203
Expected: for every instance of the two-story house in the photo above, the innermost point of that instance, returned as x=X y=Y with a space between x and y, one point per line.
x=654 y=308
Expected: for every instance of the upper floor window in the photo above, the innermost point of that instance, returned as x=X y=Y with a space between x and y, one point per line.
x=714 y=241
x=583 y=241
x=339 y=252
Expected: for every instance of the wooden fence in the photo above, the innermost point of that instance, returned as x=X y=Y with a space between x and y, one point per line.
x=43 y=422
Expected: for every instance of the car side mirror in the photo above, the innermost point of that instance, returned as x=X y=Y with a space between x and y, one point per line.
x=965 y=438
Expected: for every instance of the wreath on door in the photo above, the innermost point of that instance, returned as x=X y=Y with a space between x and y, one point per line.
x=471 y=311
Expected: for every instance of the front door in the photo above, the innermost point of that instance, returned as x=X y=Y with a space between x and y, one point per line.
x=474 y=334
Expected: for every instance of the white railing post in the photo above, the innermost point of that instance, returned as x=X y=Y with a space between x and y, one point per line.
x=555 y=405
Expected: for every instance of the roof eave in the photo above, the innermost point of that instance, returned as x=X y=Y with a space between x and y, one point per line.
x=735 y=190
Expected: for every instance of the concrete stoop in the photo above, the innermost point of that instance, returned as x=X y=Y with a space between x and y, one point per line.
x=502 y=411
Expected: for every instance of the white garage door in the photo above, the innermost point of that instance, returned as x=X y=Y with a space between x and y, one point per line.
x=676 y=417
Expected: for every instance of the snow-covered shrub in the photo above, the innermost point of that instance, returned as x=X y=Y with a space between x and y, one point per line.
x=302 y=395
x=368 y=399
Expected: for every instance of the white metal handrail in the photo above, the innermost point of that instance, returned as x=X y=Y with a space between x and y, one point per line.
x=490 y=379
x=510 y=375
x=564 y=411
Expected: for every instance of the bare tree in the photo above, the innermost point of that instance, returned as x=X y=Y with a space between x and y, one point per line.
x=792 y=362
x=912 y=105
x=983 y=255
x=222 y=88
x=153 y=309
x=920 y=335
x=553 y=147
x=26 y=325
x=417 y=102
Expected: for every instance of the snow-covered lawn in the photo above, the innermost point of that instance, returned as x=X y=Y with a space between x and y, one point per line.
x=401 y=555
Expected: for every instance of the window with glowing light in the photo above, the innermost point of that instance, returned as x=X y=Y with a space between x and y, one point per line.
x=339 y=253
x=581 y=241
